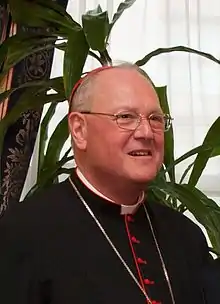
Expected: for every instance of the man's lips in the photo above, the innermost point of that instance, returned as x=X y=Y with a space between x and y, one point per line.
x=140 y=152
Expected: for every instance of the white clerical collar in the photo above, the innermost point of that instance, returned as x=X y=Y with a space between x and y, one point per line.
x=125 y=209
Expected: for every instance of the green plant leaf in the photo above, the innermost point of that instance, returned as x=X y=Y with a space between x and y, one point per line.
x=186 y=172
x=92 y=54
x=65 y=171
x=18 y=47
x=47 y=14
x=55 y=145
x=159 y=188
x=121 y=8
x=169 y=138
x=44 y=134
x=96 y=26
x=32 y=98
x=156 y=195
x=156 y=192
x=205 y=210
x=54 y=83
x=49 y=175
x=63 y=46
x=201 y=148
x=212 y=139
x=74 y=59
x=180 y=48
x=215 y=152
x=105 y=58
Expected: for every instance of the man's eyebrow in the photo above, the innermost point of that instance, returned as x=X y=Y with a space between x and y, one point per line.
x=126 y=108
x=136 y=110
x=158 y=111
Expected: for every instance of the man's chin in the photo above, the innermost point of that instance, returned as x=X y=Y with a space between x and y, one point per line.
x=144 y=178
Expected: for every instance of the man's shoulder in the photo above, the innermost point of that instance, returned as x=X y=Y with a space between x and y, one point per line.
x=50 y=195
x=176 y=220
x=56 y=199
x=169 y=212
x=39 y=218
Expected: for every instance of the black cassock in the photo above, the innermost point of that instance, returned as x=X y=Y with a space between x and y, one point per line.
x=52 y=252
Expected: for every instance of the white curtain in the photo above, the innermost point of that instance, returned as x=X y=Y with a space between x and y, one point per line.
x=193 y=82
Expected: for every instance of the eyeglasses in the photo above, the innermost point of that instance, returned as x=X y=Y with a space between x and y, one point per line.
x=131 y=120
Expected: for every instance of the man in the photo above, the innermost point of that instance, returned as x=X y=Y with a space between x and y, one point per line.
x=211 y=281
x=95 y=238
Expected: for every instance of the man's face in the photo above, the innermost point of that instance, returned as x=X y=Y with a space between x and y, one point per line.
x=118 y=154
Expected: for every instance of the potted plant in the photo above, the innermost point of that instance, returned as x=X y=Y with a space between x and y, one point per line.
x=59 y=30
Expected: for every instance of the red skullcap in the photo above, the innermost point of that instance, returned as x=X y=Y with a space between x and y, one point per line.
x=93 y=72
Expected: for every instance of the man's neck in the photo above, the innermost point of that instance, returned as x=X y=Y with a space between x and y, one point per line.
x=120 y=196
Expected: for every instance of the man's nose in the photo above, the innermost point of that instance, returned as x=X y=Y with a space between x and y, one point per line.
x=144 y=129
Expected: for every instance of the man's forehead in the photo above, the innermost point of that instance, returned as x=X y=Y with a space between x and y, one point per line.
x=120 y=80
x=111 y=86
x=121 y=87
x=117 y=72
x=121 y=76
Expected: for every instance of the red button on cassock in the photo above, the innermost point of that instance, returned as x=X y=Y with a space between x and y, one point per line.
x=140 y=261
x=134 y=240
x=148 y=282
x=130 y=219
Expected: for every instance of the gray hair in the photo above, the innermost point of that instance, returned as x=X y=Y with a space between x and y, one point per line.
x=82 y=97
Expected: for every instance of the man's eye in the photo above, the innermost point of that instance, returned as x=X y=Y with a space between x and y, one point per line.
x=157 y=118
x=126 y=116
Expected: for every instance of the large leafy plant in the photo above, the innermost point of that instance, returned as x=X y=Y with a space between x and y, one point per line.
x=59 y=30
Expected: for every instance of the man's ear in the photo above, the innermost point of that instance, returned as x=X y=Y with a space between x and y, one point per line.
x=78 y=129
